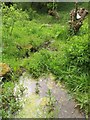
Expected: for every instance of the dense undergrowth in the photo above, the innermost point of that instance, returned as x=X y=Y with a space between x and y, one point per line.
x=40 y=46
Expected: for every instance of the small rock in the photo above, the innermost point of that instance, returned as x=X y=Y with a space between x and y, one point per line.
x=4 y=69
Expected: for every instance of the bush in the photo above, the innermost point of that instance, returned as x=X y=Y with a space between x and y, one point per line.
x=78 y=52
x=10 y=16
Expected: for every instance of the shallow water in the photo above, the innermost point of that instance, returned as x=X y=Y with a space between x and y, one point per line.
x=36 y=105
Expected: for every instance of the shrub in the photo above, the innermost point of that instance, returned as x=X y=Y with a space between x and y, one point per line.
x=10 y=16
x=9 y=103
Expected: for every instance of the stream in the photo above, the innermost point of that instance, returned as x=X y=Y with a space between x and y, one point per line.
x=45 y=98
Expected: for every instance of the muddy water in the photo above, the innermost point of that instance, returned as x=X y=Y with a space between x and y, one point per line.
x=36 y=105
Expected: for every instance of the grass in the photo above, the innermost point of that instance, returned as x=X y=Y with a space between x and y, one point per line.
x=67 y=57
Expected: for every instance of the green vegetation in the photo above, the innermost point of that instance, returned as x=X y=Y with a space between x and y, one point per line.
x=38 y=43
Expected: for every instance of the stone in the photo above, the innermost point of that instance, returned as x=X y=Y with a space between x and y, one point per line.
x=25 y=47
x=28 y=47
x=54 y=13
x=4 y=69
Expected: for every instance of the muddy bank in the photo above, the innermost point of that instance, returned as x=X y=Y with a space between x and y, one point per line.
x=44 y=98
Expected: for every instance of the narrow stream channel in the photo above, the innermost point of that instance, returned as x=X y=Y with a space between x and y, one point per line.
x=44 y=98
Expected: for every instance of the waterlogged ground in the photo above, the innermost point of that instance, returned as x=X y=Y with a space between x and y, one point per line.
x=44 y=98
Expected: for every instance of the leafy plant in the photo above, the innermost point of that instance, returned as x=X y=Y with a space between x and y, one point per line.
x=9 y=103
x=10 y=16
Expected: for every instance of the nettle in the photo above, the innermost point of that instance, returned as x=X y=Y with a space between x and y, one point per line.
x=10 y=15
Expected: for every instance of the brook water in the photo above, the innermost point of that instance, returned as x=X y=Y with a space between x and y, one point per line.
x=37 y=95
